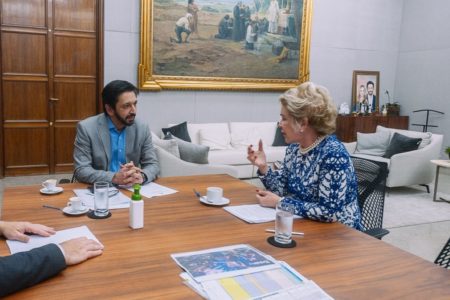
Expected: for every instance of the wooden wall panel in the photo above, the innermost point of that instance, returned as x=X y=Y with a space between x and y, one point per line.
x=24 y=100
x=83 y=20
x=30 y=47
x=75 y=100
x=75 y=56
x=24 y=13
x=26 y=150
x=64 y=139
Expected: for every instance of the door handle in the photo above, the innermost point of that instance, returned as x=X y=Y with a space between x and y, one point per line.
x=54 y=99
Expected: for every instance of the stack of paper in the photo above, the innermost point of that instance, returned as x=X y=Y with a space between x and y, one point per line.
x=253 y=213
x=242 y=272
x=153 y=190
x=59 y=237
x=117 y=201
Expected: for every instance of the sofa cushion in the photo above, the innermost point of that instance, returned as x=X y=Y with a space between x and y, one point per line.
x=194 y=129
x=401 y=143
x=215 y=137
x=279 y=138
x=180 y=131
x=191 y=152
x=170 y=145
x=425 y=136
x=249 y=133
x=372 y=143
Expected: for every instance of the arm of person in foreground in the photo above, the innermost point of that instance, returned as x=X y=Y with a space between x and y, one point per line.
x=25 y=269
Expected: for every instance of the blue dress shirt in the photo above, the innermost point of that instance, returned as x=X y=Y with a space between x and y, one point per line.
x=117 y=139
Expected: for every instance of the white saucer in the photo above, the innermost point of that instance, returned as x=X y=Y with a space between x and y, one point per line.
x=68 y=210
x=222 y=202
x=57 y=190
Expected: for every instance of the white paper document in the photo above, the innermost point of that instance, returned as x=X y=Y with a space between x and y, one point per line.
x=152 y=189
x=119 y=200
x=59 y=237
x=253 y=213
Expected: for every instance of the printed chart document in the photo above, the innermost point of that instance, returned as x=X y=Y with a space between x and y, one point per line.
x=243 y=272
x=119 y=200
x=59 y=237
x=253 y=213
x=152 y=189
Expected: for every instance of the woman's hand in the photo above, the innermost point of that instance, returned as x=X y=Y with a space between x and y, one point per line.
x=266 y=198
x=257 y=158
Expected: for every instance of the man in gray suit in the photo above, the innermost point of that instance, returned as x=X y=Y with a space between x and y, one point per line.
x=113 y=146
x=25 y=269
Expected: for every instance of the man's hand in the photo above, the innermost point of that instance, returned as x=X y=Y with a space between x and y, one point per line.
x=17 y=230
x=128 y=174
x=80 y=249
x=266 y=198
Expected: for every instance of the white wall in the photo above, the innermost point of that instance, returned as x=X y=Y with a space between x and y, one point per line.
x=423 y=75
x=347 y=35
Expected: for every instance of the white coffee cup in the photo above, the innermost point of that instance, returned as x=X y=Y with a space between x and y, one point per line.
x=214 y=194
x=75 y=203
x=49 y=184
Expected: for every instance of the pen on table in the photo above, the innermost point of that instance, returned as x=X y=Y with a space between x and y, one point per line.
x=293 y=232
x=52 y=207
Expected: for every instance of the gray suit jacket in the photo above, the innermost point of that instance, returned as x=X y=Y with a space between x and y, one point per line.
x=92 y=151
x=25 y=269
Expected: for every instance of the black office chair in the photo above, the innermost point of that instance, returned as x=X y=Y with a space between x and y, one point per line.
x=371 y=176
x=443 y=258
x=66 y=180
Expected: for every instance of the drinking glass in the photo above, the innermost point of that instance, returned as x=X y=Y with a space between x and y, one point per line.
x=101 y=199
x=283 y=222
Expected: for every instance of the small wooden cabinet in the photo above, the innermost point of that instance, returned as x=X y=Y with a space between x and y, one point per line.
x=348 y=126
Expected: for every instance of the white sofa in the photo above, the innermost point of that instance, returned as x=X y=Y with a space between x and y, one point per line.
x=228 y=143
x=412 y=167
x=171 y=165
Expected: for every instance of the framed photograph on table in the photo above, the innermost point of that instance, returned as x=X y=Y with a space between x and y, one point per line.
x=224 y=45
x=365 y=91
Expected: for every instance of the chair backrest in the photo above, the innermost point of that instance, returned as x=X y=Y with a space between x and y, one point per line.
x=443 y=258
x=371 y=176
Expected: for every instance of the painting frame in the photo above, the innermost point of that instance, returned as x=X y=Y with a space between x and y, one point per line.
x=151 y=81
x=362 y=79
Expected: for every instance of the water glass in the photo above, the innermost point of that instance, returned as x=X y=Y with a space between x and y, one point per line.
x=283 y=222
x=101 y=199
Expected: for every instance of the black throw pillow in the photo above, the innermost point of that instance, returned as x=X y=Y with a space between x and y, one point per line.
x=401 y=143
x=279 y=139
x=180 y=131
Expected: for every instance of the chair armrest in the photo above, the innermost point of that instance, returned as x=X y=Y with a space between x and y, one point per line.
x=351 y=147
x=378 y=233
x=170 y=165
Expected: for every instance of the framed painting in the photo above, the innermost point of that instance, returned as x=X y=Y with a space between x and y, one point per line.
x=365 y=91
x=224 y=44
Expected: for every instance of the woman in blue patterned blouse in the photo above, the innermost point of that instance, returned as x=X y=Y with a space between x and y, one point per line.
x=317 y=175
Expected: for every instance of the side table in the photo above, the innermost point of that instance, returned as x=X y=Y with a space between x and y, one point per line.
x=440 y=163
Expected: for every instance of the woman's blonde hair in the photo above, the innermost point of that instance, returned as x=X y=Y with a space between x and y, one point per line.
x=314 y=103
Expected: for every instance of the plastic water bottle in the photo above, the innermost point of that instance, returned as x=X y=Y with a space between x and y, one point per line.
x=136 y=208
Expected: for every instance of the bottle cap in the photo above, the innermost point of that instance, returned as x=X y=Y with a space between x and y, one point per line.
x=136 y=194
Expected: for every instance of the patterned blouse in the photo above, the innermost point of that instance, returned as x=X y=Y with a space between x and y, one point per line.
x=321 y=183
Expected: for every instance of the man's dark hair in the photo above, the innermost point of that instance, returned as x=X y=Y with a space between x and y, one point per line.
x=370 y=82
x=112 y=91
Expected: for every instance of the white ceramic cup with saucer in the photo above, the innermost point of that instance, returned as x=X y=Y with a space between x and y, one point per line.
x=49 y=184
x=75 y=204
x=214 y=194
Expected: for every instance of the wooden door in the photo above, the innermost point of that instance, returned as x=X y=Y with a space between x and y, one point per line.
x=51 y=77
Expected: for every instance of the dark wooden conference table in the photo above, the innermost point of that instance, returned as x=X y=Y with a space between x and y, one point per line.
x=136 y=264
